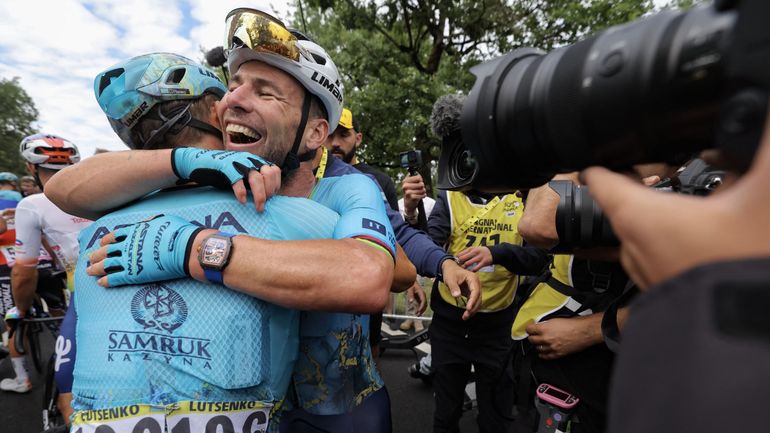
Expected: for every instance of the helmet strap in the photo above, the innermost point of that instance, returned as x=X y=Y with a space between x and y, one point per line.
x=204 y=127
x=292 y=160
x=37 y=178
x=169 y=122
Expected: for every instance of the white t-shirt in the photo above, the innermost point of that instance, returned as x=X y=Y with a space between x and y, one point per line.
x=427 y=202
x=37 y=219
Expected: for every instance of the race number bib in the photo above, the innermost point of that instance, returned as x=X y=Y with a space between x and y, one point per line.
x=182 y=417
x=232 y=417
x=138 y=418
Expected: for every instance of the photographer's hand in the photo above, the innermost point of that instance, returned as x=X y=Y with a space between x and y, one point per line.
x=664 y=234
x=414 y=191
x=556 y=338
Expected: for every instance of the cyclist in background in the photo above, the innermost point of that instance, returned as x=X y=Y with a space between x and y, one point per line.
x=8 y=189
x=39 y=223
x=9 y=198
x=28 y=186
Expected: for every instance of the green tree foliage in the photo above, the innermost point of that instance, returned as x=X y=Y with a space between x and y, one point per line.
x=684 y=4
x=397 y=57
x=17 y=115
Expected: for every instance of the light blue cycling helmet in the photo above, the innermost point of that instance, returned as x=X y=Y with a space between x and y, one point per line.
x=128 y=91
x=6 y=176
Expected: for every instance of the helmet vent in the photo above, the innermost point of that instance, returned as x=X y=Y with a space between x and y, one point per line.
x=176 y=76
x=107 y=78
x=319 y=59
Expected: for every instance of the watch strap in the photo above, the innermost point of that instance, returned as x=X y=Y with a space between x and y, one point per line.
x=217 y=275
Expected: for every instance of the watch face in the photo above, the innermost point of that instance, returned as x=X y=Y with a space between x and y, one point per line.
x=215 y=251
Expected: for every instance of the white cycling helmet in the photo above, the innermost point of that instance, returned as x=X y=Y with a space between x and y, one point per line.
x=49 y=151
x=253 y=34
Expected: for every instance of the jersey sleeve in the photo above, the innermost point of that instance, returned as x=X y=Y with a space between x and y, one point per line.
x=359 y=202
x=29 y=233
x=308 y=220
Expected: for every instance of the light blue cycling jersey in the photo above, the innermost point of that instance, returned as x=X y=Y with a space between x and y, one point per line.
x=182 y=339
x=335 y=370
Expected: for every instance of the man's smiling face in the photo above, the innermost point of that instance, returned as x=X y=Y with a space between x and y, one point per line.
x=261 y=111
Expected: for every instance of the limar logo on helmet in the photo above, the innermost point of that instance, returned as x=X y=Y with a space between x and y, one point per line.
x=207 y=73
x=328 y=85
x=134 y=117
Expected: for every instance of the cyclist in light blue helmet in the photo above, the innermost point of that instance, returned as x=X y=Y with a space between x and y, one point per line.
x=166 y=91
x=8 y=187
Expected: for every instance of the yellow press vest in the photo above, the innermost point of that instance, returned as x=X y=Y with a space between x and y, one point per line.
x=545 y=301
x=476 y=225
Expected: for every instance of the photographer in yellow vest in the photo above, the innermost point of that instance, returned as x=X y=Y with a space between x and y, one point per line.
x=480 y=231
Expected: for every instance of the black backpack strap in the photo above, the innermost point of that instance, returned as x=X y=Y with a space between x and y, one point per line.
x=525 y=290
x=610 y=329
x=523 y=355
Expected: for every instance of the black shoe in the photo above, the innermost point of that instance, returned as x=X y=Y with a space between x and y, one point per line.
x=414 y=371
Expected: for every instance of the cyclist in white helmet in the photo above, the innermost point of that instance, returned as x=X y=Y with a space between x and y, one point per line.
x=40 y=223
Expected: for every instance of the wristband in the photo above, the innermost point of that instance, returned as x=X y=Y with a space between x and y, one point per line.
x=439 y=271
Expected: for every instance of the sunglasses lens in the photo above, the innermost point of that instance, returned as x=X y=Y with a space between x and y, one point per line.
x=260 y=32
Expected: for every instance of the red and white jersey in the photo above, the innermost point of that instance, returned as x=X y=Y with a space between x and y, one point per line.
x=38 y=219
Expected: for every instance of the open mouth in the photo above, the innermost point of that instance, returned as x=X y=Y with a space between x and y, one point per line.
x=240 y=134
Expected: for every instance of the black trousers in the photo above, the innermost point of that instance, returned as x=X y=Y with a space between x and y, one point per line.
x=494 y=393
x=483 y=341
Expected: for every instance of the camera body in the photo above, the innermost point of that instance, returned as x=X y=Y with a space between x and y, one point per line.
x=411 y=160
x=647 y=91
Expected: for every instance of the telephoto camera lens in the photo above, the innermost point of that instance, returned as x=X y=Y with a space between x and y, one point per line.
x=646 y=91
x=580 y=222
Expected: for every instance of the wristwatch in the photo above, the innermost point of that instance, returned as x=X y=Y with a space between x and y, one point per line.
x=214 y=255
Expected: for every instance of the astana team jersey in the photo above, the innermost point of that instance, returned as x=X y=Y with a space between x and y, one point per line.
x=490 y=224
x=38 y=219
x=335 y=370
x=192 y=355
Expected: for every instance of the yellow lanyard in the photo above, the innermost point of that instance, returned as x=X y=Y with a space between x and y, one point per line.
x=472 y=220
x=319 y=173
